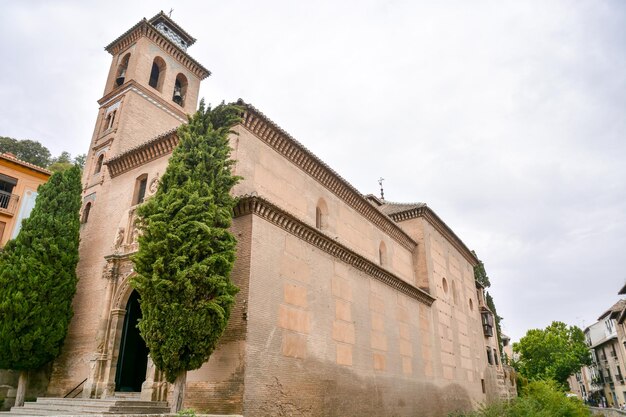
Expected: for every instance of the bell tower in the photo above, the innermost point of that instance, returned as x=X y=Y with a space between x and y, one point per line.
x=152 y=85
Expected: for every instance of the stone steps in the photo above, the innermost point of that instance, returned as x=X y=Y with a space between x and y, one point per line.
x=46 y=406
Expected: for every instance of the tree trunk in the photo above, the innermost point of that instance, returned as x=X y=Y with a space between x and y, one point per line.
x=179 y=392
x=21 y=389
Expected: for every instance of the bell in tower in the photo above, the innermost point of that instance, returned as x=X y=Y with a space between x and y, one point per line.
x=121 y=71
x=178 y=96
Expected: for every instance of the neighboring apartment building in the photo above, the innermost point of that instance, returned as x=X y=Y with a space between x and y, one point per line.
x=603 y=382
x=348 y=304
x=19 y=181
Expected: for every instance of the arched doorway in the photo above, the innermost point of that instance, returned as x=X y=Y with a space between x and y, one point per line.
x=133 y=355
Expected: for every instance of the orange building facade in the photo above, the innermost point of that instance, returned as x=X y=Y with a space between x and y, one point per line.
x=19 y=181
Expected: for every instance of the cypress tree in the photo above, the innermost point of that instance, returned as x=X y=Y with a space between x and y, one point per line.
x=186 y=252
x=38 y=278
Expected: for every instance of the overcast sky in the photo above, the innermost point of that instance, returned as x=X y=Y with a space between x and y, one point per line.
x=507 y=118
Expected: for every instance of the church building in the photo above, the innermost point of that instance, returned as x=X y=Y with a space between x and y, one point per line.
x=349 y=305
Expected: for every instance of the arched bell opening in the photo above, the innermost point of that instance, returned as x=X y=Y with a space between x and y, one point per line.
x=180 y=90
x=157 y=73
x=121 y=70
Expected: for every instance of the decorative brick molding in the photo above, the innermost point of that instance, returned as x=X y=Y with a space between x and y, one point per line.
x=161 y=145
x=148 y=95
x=432 y=218
x=288 y=222
x=283 y=143
x=145 y=28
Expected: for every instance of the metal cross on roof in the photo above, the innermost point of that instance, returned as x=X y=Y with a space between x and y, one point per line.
x=382 y=193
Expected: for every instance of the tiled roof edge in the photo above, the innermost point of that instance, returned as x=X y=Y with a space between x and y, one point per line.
x=26 y=164
x=432 y=217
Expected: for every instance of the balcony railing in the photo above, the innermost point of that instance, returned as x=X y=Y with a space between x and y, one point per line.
x=8 y=202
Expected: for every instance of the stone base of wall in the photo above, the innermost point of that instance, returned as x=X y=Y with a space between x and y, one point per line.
x=607 y=412
x=37 y=385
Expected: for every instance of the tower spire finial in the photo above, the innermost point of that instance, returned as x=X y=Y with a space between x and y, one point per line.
x=170 y=13
x=382 y=192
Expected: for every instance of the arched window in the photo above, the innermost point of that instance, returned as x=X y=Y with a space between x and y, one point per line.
x=180 y=90
x=321 y=215
x=140 y=189
x=121 y=70
x=108 y=122
x=382 y=254
x=99 y=164
x=86 y=213
x=157 y=74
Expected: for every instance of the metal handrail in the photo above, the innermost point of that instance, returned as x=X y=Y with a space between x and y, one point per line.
x=74 y=389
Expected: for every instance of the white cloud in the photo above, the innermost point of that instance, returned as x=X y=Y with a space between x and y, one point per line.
x=505 y=117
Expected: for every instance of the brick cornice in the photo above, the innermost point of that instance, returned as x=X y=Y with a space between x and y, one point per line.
x=145 y=28
x=262 y=208
x=155 y=148
x=439 y=225
x=283 y=143
x=134 y=86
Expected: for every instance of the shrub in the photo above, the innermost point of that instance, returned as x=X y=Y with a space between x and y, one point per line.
x=538 y=399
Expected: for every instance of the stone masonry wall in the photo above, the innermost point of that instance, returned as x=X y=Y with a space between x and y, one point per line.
x=327 y=340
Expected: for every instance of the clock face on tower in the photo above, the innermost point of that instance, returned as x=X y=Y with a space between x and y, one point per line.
x=171 y=35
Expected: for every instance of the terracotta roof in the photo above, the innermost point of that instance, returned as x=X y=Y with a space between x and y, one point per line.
x=390 y=208
x=10 y=157
x=399 y=212
x=614 y=310
x=146 y=28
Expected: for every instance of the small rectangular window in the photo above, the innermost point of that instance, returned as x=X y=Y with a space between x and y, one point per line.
x=141 y=191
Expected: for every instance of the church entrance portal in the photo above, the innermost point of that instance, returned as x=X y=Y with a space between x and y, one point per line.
x=133 y=355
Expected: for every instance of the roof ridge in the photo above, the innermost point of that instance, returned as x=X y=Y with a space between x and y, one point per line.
x=404 y=204
x=11 y=157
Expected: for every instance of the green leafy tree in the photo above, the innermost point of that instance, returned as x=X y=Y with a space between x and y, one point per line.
x=480 y=274
x=26 y=150
x=38 y=278
x=554 y=353
x=492 y=307
x=65 y=161
x=186 y=252
x=80 y=160
x=61 y=162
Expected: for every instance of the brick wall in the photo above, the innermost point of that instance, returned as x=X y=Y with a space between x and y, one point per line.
x=325 y=339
